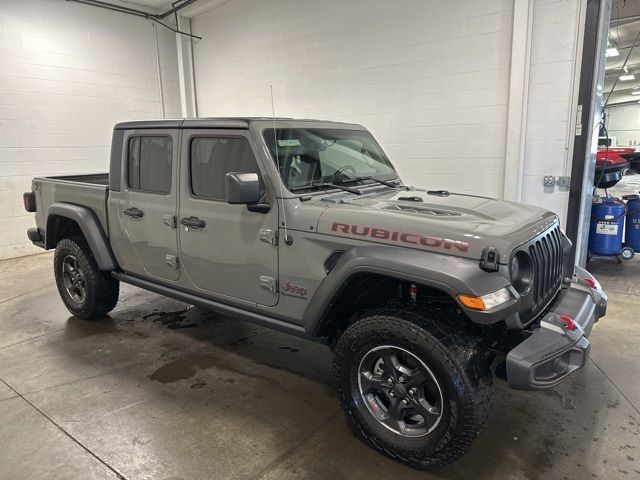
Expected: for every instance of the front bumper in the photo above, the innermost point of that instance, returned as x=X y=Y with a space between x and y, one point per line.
x=553 y=351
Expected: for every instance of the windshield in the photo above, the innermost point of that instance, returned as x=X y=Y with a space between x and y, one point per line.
x=308 y=157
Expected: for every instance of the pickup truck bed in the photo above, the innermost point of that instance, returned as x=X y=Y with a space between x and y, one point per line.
x=89 y=190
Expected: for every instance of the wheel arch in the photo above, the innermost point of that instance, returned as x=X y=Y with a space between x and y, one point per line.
x=65 y=220
x=441 y=274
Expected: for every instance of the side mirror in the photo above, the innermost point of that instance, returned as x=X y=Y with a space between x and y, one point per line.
x=244 y=189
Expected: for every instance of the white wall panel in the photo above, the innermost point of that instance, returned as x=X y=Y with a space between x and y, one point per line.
x=428 y=78
x=68 y=72
x=550 y=104
x=623 y=122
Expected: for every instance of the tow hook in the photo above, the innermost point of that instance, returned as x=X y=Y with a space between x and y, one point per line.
x=563 y=321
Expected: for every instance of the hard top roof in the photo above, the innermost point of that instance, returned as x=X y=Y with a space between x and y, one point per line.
x=212 y=122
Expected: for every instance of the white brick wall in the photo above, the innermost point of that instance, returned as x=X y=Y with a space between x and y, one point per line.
x=428 y=78
x=548 y=140
x=68 y=72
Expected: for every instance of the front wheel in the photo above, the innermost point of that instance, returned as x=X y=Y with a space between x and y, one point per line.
x=86 y=291
x=415 y=387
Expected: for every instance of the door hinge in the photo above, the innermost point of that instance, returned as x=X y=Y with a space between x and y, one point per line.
x=268 y=236
x=269 y=283
x=170 y=220
x=171 y=260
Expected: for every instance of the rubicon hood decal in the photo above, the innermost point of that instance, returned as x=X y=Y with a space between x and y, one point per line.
x=415 y=239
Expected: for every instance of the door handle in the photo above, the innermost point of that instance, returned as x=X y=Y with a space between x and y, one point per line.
x=193 y=222
x=133 y=212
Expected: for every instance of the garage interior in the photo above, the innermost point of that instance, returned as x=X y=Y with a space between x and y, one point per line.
x=477 y=97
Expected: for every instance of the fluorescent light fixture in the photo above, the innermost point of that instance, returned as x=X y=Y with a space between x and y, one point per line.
x=624 y=78
x=635 y=92
x=612 y=52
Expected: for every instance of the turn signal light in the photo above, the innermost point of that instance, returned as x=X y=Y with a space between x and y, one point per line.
x=485 y=302
x=472 y=302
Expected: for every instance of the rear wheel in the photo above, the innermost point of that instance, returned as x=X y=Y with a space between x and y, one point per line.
x=414 y=386
x=86 y=291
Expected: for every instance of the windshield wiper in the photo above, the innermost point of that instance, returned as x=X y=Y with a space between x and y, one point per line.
x=359 y=179
x=325 y=184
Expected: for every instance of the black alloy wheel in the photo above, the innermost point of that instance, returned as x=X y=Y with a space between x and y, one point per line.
x=74 y=279
x=400 y=391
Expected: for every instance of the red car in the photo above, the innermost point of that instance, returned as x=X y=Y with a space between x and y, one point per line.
x=610 y=165
x=612 y=155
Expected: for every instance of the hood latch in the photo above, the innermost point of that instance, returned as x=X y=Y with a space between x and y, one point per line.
x=489 y=260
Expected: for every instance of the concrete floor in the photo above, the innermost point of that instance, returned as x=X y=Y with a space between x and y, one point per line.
x=160 y=390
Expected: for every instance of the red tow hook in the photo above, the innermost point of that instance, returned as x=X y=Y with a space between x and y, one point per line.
x=568 y=322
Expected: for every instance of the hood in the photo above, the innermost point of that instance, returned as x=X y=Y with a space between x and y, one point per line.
x=450 y=223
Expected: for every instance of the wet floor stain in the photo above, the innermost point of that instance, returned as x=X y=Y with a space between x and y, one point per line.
x=182 y=368
x=173 y=320
x=566 y=401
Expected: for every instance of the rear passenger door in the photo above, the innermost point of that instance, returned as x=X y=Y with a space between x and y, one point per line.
x=148 y=202
x=230 y=253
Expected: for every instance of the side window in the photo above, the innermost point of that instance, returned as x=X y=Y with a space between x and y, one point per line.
x=149 y=163
x=212 y=158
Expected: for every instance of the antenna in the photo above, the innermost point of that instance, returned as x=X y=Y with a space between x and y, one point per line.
x=280 y=171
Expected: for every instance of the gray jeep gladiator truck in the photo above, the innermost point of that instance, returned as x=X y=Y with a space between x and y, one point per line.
x=305 y=226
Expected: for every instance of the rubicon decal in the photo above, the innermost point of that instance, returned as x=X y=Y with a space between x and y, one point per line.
x=400 y=237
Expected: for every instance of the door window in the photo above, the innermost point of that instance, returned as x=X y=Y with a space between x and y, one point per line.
x=212 y=158
x=149 y=163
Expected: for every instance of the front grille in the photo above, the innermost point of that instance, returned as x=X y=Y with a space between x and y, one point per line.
x=546 y=255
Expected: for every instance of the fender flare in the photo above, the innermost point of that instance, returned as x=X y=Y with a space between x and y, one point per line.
x=91 y=229
x=453 y=275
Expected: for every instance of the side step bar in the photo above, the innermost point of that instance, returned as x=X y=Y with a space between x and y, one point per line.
x=218 y=307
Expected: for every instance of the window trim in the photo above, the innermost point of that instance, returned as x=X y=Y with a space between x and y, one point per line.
x=128 y=150
x=216 y=136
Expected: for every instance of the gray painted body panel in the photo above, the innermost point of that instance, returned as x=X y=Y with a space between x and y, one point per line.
x=227 y=258
x=64 y=189
x=150 y=237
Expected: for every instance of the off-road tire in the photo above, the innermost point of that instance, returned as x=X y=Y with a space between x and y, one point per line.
x=450 y=349
x=101 y=290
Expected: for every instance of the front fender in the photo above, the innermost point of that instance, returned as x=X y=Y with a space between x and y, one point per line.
x=453 y=275
x=90 y=227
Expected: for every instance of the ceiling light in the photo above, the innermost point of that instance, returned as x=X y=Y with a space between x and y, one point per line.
x=624 y=78
x=635 y=92
x=612 y=52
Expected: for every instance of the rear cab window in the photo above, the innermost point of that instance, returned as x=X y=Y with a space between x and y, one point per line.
x=149 y=163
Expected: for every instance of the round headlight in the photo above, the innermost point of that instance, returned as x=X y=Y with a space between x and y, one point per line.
x=514 y=268
x=521 y=272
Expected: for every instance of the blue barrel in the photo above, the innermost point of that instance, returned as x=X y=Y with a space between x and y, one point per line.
x=632 y=235
x=607 y=224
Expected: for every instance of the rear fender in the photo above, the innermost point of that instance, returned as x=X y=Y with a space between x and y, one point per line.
x=91 y=229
